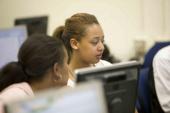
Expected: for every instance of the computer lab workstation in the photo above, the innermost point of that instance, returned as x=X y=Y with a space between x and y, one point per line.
x=108 y=89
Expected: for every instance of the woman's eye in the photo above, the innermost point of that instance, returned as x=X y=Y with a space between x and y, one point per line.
x=102 y=41
x=94 y=42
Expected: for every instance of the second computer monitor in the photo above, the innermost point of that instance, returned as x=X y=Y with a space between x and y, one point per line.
x=120 y=84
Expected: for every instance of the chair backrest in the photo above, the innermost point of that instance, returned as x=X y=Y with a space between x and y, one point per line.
x=143 y=99
x=151 y=53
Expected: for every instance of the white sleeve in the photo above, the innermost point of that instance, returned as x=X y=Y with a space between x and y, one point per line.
x=161 y=70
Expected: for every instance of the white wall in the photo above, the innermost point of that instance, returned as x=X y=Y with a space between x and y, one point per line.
x=123 y=21
x=167 y=17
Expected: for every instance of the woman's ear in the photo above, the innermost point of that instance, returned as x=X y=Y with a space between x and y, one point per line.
x=56 y=75
x=74 y=43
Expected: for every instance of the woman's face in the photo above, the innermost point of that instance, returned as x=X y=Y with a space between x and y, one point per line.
x=90 y=47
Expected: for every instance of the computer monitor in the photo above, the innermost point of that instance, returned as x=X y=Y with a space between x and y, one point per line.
x=120 y=84
x=34 y=24
x=10 y=41
x=84 y=98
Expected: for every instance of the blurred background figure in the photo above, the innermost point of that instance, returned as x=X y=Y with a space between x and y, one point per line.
x=108 y=56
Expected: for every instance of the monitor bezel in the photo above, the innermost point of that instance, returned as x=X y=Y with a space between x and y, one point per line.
x=116 y=66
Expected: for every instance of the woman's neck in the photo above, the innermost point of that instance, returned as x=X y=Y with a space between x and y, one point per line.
x=42 y=84
x=76 y=63
x=35 y=87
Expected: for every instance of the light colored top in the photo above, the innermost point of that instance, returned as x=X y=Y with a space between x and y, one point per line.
x=15 y=92
x=161 y=70
x=101 y=63
x=70 y=83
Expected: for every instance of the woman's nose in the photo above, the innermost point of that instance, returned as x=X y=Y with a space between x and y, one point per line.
x=101 y=46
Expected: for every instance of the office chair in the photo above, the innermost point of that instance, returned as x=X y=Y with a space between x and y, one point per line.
x=143 y=100
x=152 y=51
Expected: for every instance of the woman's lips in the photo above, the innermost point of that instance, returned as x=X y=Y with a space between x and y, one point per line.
x=99 y=55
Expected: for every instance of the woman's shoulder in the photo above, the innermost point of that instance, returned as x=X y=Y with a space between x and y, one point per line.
x=16 y=91
x=103 y=63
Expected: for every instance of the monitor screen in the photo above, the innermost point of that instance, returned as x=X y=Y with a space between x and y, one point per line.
x=10 y=42
x=84 y=98
x=120 y=84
